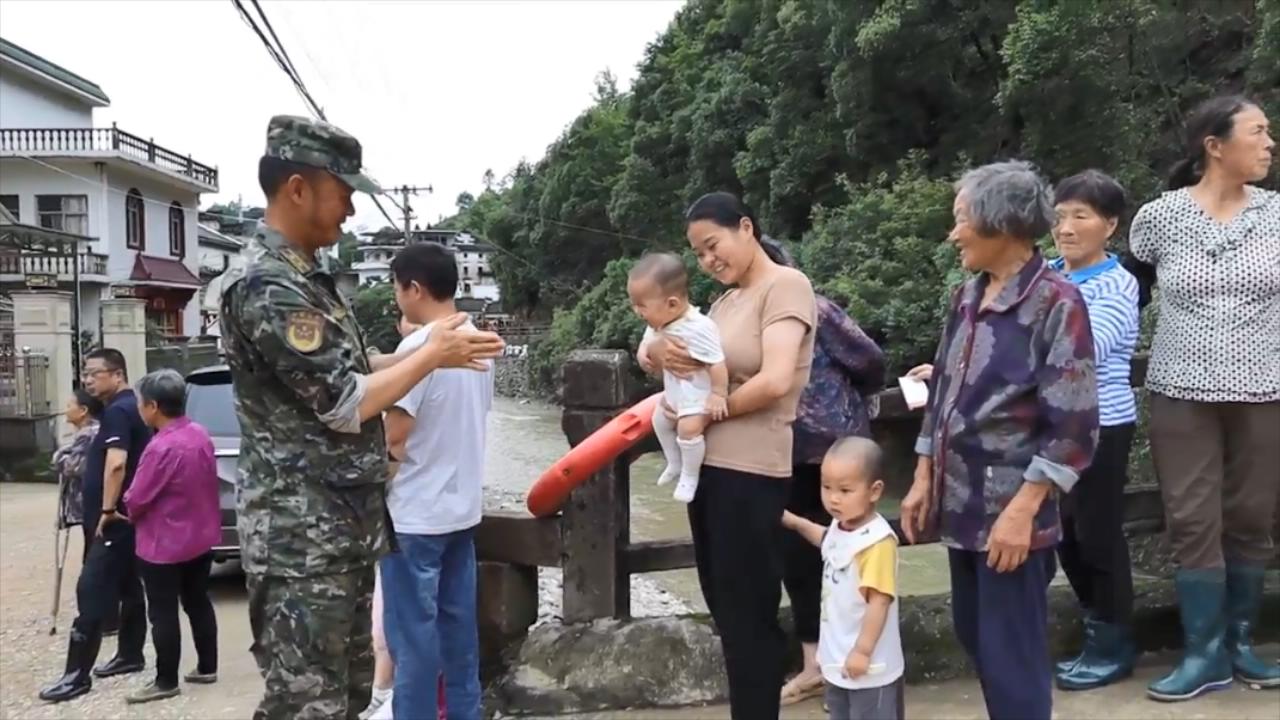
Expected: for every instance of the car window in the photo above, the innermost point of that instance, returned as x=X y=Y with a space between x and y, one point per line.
x=214 y=407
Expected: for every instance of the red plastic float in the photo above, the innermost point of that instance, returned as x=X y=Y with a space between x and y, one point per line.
x=631 y=426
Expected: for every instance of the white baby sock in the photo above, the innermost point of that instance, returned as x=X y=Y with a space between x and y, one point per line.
x=691 y=454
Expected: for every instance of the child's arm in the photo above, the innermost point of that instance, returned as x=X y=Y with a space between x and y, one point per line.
x=878 y=583
x=718 y=403
x=859 y=660
x=808 y=529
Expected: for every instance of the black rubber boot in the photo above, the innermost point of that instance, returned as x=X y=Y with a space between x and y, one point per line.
x=76 y=679
x=119 y=666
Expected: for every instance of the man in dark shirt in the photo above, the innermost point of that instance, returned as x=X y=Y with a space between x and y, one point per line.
x=109 y=578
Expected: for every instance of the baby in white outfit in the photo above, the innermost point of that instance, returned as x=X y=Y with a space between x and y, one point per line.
x=659 y=289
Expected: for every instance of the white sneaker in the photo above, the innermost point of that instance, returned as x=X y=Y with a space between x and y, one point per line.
x=669 y=475
x=686 y=488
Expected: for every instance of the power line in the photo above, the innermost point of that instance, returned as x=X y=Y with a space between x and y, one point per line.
x=277 y=56
x=281 y=58
x=293 y=70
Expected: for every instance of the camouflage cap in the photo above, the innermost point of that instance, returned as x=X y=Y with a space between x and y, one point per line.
x=319 y=144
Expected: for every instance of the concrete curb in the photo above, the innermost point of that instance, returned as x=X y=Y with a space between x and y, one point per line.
x=676 y=661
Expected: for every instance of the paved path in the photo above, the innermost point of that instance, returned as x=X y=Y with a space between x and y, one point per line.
x=30 y=657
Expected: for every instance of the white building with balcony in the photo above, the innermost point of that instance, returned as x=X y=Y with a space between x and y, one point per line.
x=135 y=201
x=475 y=276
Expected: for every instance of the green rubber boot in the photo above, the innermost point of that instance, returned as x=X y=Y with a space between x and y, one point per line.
x=1109 y=655
x=1205 y=664
x=1244 y=600
x=1065 y=666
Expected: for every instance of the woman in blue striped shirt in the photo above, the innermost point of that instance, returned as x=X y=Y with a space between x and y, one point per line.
x=1094 y=552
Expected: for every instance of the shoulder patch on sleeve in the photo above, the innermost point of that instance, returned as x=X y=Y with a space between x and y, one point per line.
x=304 y=330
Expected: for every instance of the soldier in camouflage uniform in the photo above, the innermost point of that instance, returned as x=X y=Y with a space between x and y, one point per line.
x=313 y=459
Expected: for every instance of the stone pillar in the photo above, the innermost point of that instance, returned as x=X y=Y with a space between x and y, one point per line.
x=124 y=327
x=42 y=322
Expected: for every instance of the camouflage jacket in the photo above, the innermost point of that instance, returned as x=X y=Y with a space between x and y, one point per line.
x=311 y=497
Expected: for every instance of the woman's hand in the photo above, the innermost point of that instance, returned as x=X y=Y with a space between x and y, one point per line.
x=1010 y=540
x=642 y=357
x=915 y=507
x=676 y=358
x=922 y=373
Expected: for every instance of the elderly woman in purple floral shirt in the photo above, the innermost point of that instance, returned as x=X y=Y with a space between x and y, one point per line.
x=847 y=367
x=1012 y=420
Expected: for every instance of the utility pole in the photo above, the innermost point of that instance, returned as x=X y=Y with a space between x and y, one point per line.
x=405 y=191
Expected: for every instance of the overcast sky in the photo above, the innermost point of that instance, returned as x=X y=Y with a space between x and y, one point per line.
x=438 y=91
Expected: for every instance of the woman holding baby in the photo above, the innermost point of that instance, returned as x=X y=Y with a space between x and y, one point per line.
x=766 y=322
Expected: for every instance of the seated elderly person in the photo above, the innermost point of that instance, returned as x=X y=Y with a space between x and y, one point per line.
x=1012 y=420
x=173 y=505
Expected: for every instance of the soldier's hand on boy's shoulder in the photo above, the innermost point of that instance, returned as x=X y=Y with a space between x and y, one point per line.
x=463 y=348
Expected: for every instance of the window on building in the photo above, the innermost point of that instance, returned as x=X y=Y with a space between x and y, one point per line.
x=135 y=221
x=68 y=213
x=177 y=230
x=10 y=203
x=164 y=321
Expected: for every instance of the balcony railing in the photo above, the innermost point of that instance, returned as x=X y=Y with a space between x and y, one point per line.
x=46 y=141
x=90 y=264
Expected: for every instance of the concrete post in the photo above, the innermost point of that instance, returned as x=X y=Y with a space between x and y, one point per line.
x=124 y=327
x=42 y=322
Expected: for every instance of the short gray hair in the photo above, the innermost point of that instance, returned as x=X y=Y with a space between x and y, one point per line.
x=1008 y=198
x=167 y=390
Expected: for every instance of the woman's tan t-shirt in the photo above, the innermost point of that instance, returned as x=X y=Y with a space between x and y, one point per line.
x=760 y=442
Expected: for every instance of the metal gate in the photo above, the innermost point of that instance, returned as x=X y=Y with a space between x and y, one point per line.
x=23 y=375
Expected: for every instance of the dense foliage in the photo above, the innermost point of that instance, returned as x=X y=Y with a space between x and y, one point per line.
x=843 y=123
x=376 y=311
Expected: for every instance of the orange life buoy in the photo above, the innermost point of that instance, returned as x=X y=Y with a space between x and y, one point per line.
x=631 y=426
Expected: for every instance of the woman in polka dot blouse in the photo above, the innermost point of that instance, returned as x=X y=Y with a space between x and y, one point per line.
x=1214 y=379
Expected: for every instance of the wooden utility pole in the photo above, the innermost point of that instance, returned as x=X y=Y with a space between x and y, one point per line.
x=405 y=191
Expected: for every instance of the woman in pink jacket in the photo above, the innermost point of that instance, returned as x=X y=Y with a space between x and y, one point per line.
x=173 y=504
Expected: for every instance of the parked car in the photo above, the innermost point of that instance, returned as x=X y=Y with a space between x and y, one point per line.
x=211 y=403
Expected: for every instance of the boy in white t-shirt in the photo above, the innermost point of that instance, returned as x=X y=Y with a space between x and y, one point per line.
x=659 y=289
x=437 y=432
x=859 y=647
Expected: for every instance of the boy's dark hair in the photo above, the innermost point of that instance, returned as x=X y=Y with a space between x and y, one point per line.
x=1094 y=188
x=862 y=451
x=665 y=269
x=274 y=172
x=431 y=266
x=112 y=358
